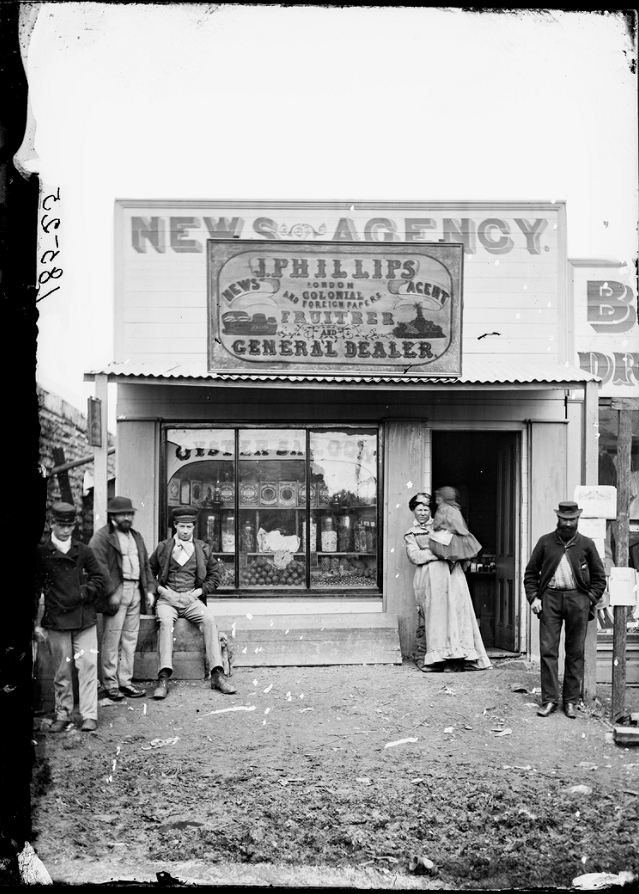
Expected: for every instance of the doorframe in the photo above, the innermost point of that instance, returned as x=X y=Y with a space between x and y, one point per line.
x=523 y=448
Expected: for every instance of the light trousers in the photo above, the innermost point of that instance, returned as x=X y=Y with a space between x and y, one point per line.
x=120 y=637
x=81 y=647
x=198 y=614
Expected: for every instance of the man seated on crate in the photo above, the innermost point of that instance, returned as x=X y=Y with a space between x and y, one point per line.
x=186 y=572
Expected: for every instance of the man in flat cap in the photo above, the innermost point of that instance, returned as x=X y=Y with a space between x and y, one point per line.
x=186 y=572
x=564 y=580
x=121 y=552
x=70 y=577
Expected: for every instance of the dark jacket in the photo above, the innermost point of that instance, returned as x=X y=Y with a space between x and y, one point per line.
x=106 y=546
x=587 y=567
x=207 y=574
x=70 y=582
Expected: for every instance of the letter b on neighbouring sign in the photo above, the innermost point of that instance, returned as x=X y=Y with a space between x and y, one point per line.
x=611 y=306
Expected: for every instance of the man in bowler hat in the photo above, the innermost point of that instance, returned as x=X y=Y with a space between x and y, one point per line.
x=70 y=577
x=186 y=573
x=121 y=552
x=564 y=580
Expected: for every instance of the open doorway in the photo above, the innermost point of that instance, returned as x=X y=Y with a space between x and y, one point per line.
x=484 y=467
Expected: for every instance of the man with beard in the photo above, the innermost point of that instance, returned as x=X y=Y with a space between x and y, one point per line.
x=187 y=572
x=68 y=574
x=121 y=552
x=564 y=580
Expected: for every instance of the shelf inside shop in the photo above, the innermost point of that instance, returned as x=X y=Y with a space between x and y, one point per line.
x=271 y=554
x=268 y=507
x=354 y=553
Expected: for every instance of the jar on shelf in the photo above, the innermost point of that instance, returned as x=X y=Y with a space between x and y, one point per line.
x=248 y=537
x=227 y=489
x=209 y=526
x=359 y=544
x=228 y=533
x=371 y=537
x=328 y=533
x=313 y=543
x=345 y=532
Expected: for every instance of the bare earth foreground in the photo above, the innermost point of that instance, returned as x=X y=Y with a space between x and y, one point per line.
x=311 y=785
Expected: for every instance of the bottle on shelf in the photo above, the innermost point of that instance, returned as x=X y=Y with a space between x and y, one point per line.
x=209 y=525
x=328 y=534
x=228 y=533
x=371 y=537
x=360 y=536
x=248 y=537
x=345 y=532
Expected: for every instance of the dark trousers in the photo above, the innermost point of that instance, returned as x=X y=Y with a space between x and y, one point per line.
x=569 y=607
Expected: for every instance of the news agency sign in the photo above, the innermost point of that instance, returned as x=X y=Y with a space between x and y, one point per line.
x=336 y=308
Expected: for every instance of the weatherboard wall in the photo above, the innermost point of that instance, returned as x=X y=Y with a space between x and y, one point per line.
x=514 y=286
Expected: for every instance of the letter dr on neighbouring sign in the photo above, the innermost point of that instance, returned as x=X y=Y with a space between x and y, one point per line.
x=335 y=308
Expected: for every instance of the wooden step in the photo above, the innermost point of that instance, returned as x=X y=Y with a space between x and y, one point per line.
x=276 y=641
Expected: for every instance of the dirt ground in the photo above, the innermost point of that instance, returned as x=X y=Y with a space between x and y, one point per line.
x=310 y=782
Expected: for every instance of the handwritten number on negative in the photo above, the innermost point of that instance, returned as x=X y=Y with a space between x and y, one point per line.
x=46 y=227
x=54 y=196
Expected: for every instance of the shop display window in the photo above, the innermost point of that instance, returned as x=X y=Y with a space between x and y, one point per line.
x=608 y=435
x=343 y=508
x=201 y=472
x=283 y=509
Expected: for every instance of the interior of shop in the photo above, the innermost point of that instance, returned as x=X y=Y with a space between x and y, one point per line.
x=469 y=461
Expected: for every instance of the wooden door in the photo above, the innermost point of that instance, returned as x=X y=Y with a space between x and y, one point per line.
x=508 y=503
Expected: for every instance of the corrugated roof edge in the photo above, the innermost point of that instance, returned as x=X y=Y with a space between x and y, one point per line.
x=478 y=372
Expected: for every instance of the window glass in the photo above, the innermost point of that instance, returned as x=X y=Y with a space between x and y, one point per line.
x=283 y=509
x=608 y=475
x=201 y=472
x=343 y=508
x=272 y=508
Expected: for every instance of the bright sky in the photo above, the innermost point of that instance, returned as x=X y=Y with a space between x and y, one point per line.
x=246 y=102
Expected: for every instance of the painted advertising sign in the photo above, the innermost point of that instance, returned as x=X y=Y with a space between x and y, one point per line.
x=606 y=328
x=514 y=285
x=335 y=307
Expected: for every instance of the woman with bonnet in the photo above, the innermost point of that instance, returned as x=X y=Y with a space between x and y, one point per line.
x=453 y=640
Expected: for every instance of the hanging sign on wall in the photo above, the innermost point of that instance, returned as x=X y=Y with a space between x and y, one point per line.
x=335 y=308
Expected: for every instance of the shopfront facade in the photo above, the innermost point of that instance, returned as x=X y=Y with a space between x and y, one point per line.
x=607 y=344
x=298 y=370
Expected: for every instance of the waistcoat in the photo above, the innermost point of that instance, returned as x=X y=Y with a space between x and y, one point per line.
x=182 y=577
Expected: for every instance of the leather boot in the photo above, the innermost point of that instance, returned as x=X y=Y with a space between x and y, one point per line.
x=219 y=681
x=162 y=688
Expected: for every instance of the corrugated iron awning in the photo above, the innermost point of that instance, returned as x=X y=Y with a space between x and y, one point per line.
x=476 y=371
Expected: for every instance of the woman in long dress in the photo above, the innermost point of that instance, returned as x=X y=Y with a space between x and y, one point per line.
x=442 y=595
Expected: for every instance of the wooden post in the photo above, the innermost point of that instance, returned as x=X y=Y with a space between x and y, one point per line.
x=100 y=459
x=619 y=637
x=590 y=476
